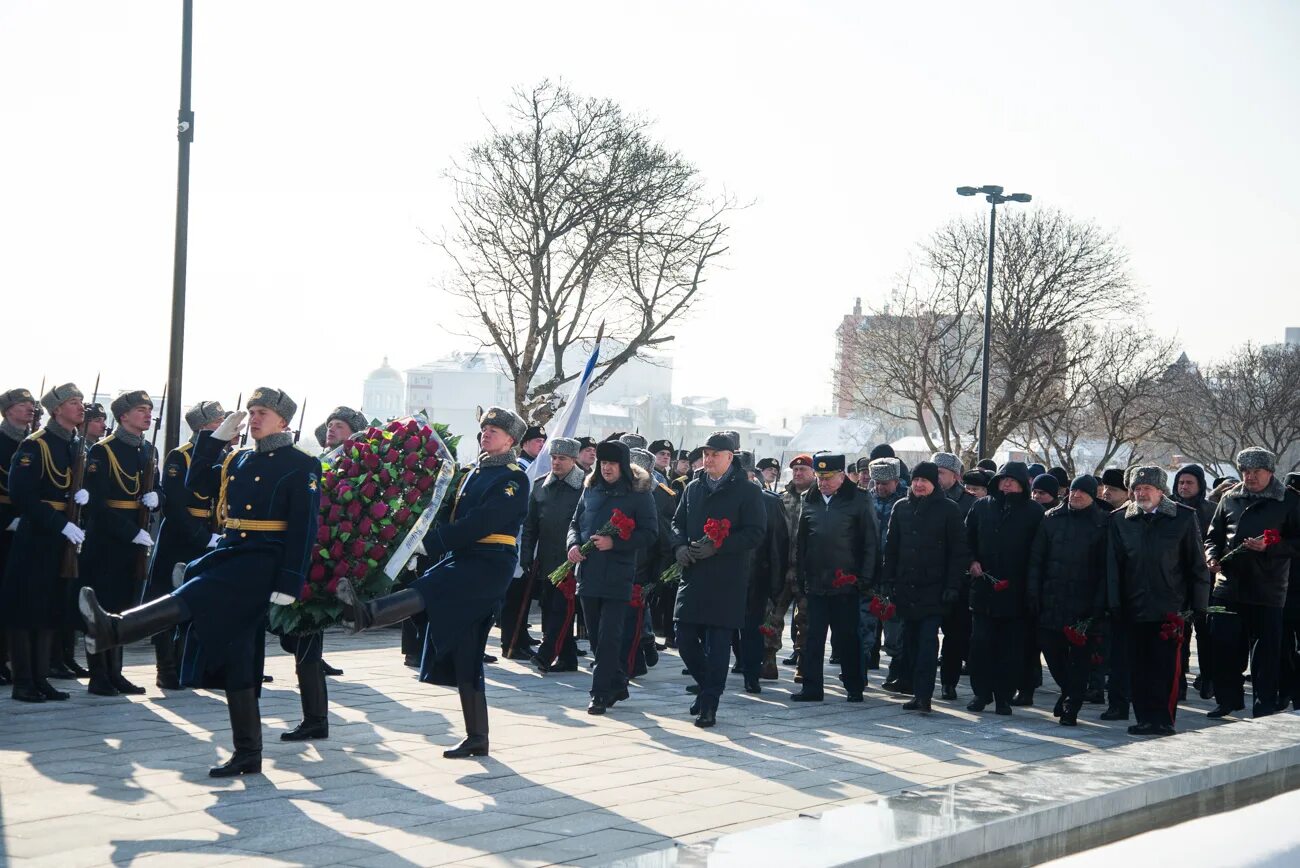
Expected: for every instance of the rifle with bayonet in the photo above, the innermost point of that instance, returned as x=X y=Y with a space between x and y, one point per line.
x=217 y=519
x=70 y=567
x=302 y=418
x=148 y=478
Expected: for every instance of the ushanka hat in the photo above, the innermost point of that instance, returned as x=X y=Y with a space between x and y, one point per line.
x=945 y=461
x=353 y=419
x=1150 y=475
x=55 y=397
x=15 y=396
x=128 y=401
x=506 y=420
x=885 y=470
x=95 y=411
x=746 y=459
x=274 y=400
x=642 y=458
x=1113 y=477
x=565 y=447
x=633 y=441
x=1255 y=457
x=927 y=470
x=612 y=450
x=204 y=413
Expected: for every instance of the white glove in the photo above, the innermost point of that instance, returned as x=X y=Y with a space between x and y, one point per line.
x=230 y=426
x=142 y=538
x=74 y=534
x=13 y=525
x=216 y=538
x=419 y=548
x=150 y=500
x=82 y=497
x=282 y=599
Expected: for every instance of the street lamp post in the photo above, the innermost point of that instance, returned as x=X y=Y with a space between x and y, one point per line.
x=993 y=195
x=185 y=135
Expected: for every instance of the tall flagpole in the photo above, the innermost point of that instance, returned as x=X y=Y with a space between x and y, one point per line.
x=185 y=136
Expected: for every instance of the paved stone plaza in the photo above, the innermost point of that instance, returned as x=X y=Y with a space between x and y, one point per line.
x=96 y=781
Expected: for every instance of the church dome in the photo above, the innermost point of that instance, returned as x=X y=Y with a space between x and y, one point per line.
x=385 y=372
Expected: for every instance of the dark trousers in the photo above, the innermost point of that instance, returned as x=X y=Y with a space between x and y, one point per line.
x=751 y=645
x=306 y=650
x=705 y=650
x=516 y=602
x=1204 y=649
x=1253 y=630
x=956 y=645
x=634 y=624
x=1118 y=655
x=1031 y=670
x=921 y=649
x=1154 y=673
x=413 y=635
x=1288 y=684
x=1068 y=664
x=662 y=603
x=837 y=613
x=605 y=620
x=558 y=646
x=997 y=652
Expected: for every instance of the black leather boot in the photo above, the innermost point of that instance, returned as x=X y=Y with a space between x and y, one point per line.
x=473 y=705
x=68 y=643
x=315 y=704
x=100 y=685
x=105 y=630
x=246 y=728
x=20 y=665
x=380 y=612
x=42 y=649
x=115 y=676
x=164 y=655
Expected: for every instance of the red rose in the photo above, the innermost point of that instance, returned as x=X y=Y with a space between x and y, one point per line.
x=412 y=426
x=387 y=532
x=385 y=478
x=431 y=463
x=400 y=517
x=322 y=534
x=354 y=510
x=391 y=491
x=333 y=586
x=365 y=527
x=411 y=461
x=373 y=433
x=357 y=548
x=359 y=570
x=394 y=426
x=413 y=494
x=334 y=513
x=330 y=478
x=356 y=470
x=889 y=612
x=317 y=572
x=843 y=579
x=408 y=477
x=1271 y=538
x=1001 y=585
x=345 y=527
x=424 y=483
x=378 y=510
x=377 y=552
x=369 y=490
x=344 y=465
x=336 y=550
x=305 y=594
x=372 y=461
x=411 y=444
x=392 y=455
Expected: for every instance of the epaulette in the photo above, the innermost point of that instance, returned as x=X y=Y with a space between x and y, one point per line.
x=667 y=489
x=38 y=434
x=514 y=467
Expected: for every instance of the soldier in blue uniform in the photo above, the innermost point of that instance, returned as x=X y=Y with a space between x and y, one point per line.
x=269 y=503
x=188 y=530
x=17 y=412
x=36 y=594
x=462 y=592
x=116 y=471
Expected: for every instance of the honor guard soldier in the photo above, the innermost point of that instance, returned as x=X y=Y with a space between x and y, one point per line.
x=119 y=472
x=37 y=587
x=18 y=408
x=462 y=592
x=188 y=530
x=269 y=504
x=96 y=424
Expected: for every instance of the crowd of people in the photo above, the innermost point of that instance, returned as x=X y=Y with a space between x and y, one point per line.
x=935 y=570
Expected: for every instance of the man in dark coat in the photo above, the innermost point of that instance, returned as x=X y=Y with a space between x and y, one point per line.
x=789 y=597
x=544 y=546
x=838 y=555
x=1191 y=490
x=1155 y=571
x=606 y=575
x=887 y=489
x=36 y=592
x=639 y=651
x=121 y=472
x=269 y=502
x=955 y=651
x=999 y=531
x=766 y=579
x=1251 y=580
x=474 y=550
x=715 y=578
x=1067 y=586
x=1288 y=690
x=188 y=530
x=17 y=411
x=924 y=564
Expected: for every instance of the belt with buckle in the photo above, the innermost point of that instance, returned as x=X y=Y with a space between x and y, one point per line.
x=255 y=524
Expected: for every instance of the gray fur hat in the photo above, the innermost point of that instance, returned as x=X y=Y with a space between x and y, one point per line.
x=642 y=458
x=634 y=441
x=55 y=397
x=565 y=447
x=204 y=413
x=128 y=401
x=947 y=461
x=1149 y=474
x=1253 y=457
x=885 y=470
x=15 y=396
x=506 y=420
x=354 y=420
x=274 y=400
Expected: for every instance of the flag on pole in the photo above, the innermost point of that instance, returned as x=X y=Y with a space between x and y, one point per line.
x=565 y=424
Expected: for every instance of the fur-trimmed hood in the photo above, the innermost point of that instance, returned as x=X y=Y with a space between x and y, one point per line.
x=1166 y=506
x=641 y=480
x=1275 y=491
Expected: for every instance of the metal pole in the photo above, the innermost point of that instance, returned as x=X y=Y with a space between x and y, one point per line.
x=185 y=136
x=988 y=335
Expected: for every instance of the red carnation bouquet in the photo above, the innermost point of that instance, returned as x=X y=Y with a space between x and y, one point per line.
x=378 y=496
x=882 y=608
x=1270 y=538
x=715 y=531
x=999 y=585
x=1174 y=625
x=620 y=524
x=1077 y=633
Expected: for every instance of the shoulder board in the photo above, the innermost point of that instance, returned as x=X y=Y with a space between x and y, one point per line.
x=667 y=489
x=38 y=434
x=514 y=467
x=185 y=447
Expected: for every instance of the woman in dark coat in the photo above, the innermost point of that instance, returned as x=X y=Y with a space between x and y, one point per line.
x=605 y=576
x=999 y=531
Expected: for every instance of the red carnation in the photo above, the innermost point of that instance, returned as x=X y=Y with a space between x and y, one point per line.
x=424 y=483
x=431 y=463
x=413 y=494
x=1074 y=637
x=767 y=631
x=323 y=534
x=387 y=532
x=1097 y=660
x=1001 y=585
x=317 y=572
x=377 y=552
x=357 y=548
x=369 y=490
x=1271 y=538
x=336 y=550
x=888 y=612
x=843 y=579
x=333 y=586
x=400 y=517
x=717 y=531
x=378 y=510
x=305 y=594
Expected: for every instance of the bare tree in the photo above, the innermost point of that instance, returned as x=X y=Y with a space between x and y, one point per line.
x=1250 y=398
x=571 y=217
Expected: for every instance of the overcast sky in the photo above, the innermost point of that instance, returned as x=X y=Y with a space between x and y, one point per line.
x=323 y=130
